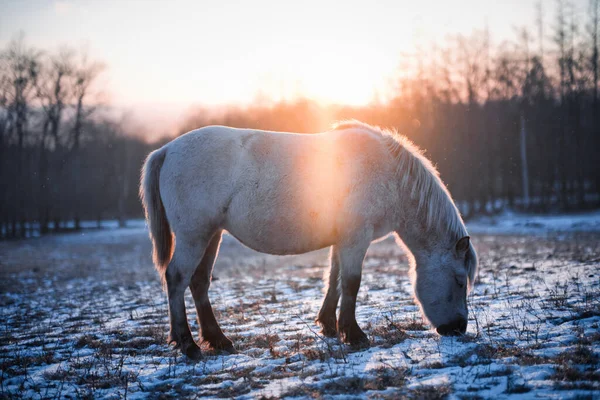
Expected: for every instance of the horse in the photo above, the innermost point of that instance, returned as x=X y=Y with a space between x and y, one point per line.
x=287 y=193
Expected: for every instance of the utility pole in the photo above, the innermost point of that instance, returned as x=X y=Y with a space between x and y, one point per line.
x=524 y=171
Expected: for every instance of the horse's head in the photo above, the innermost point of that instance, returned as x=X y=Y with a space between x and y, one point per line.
x=442 y=278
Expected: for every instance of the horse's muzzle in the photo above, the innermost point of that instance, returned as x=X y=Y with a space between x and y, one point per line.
x=454 y=328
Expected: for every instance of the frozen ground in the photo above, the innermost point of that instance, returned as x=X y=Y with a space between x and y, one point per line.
x=83 y=315
x=513 y=223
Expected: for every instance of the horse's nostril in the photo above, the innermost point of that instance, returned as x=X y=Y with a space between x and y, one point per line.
x=454 y=328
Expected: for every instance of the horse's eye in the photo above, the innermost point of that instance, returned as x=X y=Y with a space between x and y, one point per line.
x=461 y=280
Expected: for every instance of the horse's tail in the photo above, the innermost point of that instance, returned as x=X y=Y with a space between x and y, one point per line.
x=160 y=231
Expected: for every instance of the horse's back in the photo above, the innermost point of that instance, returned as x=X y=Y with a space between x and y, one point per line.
x=279 y=193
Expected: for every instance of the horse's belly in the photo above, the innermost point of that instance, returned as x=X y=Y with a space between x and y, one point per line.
x=280 y=248
x=283 y=237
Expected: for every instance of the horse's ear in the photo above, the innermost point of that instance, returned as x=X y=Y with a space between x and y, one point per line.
x=463 y=245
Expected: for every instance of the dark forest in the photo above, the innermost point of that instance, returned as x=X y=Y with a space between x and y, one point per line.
x=509 y=125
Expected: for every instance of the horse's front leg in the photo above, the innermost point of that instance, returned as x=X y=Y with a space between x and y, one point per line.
x=351 y=258
x=326 y=316
x=209 y=327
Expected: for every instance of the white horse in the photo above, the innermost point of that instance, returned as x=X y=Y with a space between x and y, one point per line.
x=285 y=193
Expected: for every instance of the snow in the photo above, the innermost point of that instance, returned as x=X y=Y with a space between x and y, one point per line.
x=84 y=315
x=510 y=222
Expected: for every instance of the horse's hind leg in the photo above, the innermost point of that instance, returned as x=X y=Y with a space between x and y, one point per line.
x=179 y=272
x=209 y=327
x=326 y=316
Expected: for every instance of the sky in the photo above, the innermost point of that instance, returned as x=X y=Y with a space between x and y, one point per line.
x=170 y=55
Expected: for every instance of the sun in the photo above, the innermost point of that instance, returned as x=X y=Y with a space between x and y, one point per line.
x=343 y=78
x=329 y=76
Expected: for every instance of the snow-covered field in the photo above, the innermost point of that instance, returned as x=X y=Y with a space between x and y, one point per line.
x=83 y=315
x=513 y=223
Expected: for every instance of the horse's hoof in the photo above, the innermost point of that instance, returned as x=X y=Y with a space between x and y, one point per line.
x=227 y=350
x=327 y=330
x=223 y=346
x=355 y=337
x=359 y=344
x=193 y=352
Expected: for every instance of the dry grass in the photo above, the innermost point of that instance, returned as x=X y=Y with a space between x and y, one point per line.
x=73 y=326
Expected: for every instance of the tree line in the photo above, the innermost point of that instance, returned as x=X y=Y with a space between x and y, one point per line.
x=63 y=157
x=512 y=124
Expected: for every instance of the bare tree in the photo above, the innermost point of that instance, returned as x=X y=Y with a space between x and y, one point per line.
x=471 y=52
x=21 y=64
x=539 y=21
x=593 y=33
x=561 y=40
x=54 y=93
x=4 y=127
x=84 y=76
x=593 y=36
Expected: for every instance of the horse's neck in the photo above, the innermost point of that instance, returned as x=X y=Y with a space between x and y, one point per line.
x=410 y=226
x=416 y=228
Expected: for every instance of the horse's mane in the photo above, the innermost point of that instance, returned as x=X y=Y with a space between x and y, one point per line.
x=419 y=177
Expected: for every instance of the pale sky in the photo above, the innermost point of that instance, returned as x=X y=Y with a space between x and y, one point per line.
x=179 y=53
